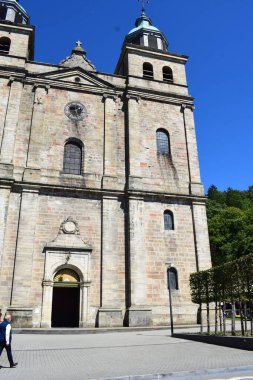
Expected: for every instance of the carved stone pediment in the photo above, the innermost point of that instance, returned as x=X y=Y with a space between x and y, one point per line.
x=78 y=59
x=69 y=238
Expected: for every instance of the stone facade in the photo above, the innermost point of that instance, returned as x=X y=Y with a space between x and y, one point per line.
x=118 y=245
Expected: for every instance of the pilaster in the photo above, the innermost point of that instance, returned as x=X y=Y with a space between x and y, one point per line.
x=22 y=274
x=110 y=312
x=196 y=186
x=200 y=227
x=134 y=145
x=11 y=121
x=110 y=142
x=37 y=127
x=4 y=202
x=138 y=314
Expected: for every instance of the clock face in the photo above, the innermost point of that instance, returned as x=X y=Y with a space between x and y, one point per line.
x=75 y=111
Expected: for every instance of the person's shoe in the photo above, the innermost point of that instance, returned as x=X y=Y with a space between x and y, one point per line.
x=13 y=365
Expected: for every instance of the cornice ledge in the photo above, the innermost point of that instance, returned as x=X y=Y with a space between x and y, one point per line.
x=68 y=86
x=53 y=188
x=170 y=98
x=184 y=106
x=144 y=194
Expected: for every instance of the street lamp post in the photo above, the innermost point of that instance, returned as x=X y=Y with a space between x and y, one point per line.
x=170 y=298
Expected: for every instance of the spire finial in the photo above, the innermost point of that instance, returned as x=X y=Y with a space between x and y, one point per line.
x=143 y=5
x=78 y=43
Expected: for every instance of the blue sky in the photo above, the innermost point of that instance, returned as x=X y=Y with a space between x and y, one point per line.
x=216 y=34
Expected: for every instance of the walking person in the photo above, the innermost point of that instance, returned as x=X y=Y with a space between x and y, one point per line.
x=5 y=338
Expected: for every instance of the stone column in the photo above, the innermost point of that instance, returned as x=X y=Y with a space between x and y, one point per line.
x=202 y=247
x=110 y=313
x=84 y=289
x=37 y=128
x=110 y=145
x=47 y=304
x=139 y=314
x=11 y=122
x=23 y=264
x=134 y=146
x=196 y=186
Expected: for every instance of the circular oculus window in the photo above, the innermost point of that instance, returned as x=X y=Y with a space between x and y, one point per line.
x=75 y=111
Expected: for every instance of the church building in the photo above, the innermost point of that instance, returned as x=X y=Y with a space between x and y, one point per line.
x=101 y=200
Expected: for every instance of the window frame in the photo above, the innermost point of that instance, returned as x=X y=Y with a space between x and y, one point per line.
x=148 y=70
x=160 y=143
x=4 y=12
x=172 y=270
x=66 y=170
x=171 y=223
x=7 y=44
x=168 y=76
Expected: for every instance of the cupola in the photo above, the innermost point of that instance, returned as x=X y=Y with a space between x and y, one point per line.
x=145 y=34
x=11 y=10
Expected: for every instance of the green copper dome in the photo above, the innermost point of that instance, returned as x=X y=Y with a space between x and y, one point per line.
x=145 y=34
x=143 y=22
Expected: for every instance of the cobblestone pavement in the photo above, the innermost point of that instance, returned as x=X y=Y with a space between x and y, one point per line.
x=83 y=357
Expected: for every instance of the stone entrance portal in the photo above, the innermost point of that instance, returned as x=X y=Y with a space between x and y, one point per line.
x=66 y=280
x=66 y=299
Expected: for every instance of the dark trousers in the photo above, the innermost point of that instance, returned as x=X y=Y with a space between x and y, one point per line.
x=8 y=350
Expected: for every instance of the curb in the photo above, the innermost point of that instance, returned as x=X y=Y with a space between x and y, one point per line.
x=186 y=374
x=58 y=331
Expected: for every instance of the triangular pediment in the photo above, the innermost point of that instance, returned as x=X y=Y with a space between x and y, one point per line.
x=77 y=76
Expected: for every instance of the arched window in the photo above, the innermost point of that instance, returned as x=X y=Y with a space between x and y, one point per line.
x=3 y=11
x=167 y=74
x=19 y=18
x=172 y=278
x=5 y=44
x=163 y=142
x=148 y=71
x=72 y=162
x=152 y=41
x=168 y=220
x=66 y=275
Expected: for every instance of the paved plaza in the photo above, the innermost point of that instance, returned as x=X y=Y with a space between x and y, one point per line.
x=118 y=354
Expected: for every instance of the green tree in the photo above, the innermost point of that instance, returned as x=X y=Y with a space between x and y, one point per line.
x=230 y=222
x=215 y=195
x=237 y=198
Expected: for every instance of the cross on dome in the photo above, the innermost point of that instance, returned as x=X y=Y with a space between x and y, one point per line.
x=143 y=4
x=78 y=43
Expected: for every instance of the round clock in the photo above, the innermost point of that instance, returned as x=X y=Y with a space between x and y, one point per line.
x=75 y=111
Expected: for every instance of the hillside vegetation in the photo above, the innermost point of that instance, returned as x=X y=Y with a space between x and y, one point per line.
x=230 y=223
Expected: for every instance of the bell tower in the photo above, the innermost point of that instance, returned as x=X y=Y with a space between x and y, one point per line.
x=16 y=33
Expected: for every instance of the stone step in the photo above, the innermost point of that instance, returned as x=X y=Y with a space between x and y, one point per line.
x=67 y=331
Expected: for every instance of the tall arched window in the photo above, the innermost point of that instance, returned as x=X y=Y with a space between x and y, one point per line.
x=3 y=11
x=167 y=74
x=172 y=278
x=148 y=71
x=5 y=44
x=163 y=142
x=168 y=220
x=72 y=162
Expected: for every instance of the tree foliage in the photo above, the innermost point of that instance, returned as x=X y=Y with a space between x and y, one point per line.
x=230 y=222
